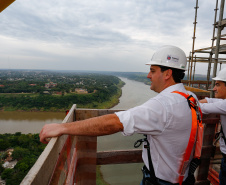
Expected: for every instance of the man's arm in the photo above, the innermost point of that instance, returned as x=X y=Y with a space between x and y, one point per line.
x=97 y=126
x=203 y=101
x=213 y=106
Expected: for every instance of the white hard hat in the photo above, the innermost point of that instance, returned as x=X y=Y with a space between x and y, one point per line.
x=169 y=56
x=221 y=75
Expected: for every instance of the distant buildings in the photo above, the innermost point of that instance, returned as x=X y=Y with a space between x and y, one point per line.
x=50 y=85
x=81 y=91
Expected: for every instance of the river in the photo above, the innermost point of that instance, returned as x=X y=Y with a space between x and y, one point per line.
x=133 y=94
x=27 y=122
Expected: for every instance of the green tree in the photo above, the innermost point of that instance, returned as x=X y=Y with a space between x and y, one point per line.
x=1 y=167
x=7 y=173
x=4 y=144
x=22 y=166
x=19 y=153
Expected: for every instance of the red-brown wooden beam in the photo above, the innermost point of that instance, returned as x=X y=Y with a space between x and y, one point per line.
x=119 y=157
x=5 y=3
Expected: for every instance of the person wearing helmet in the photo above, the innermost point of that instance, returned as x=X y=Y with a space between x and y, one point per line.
x=165 y=119
x=217 y=105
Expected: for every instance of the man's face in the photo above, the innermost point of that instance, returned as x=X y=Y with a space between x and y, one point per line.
x=220 y=89
x=156 y=77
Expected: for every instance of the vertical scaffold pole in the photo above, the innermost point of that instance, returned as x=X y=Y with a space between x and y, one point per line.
x=213 y=39
x=217 y=44
x=189 y=62
x=193 y=45
x=194 y=71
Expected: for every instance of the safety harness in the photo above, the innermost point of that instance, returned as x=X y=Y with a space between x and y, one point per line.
x=196 y=135
x=218 y=135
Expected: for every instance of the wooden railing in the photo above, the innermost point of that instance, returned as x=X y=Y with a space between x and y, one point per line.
x=73 y=159
x=198 y=83
x=5 y=3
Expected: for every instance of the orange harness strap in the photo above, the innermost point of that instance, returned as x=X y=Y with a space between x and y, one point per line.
x=196 y=121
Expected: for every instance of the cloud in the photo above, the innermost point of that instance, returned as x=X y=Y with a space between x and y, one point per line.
x=98 y=34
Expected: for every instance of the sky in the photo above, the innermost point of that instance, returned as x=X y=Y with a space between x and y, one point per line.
x=99 y=35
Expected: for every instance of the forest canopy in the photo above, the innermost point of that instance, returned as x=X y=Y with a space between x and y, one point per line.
x=54 y=91
x=26 y=150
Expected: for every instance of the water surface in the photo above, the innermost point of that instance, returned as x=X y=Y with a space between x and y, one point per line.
x=27 y=122
x=133 y=94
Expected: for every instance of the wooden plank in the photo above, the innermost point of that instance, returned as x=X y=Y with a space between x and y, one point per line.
x=4 y=4
x=41 y=172
x=119 y=157
x=107 y=111
x=43 y=169
x=203 y=170
x=86 y=160
x=71 y=173
x=82 y=114
x=63 y=164
x=210 y=122
x=196 y=81
x=87 y=149
x=207 y=152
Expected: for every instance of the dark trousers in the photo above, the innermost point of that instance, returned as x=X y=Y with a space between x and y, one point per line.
x=161 y=182
x=222 y=175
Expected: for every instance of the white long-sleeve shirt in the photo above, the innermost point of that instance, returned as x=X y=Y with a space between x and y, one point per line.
x=166 y=119
x=216 y=106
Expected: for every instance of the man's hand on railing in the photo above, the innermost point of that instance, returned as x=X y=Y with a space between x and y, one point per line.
x=49 y=131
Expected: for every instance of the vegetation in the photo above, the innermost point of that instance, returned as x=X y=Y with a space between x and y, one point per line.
x=137 y=76
x=99 y=177
x=25 y=90
x=27 y=149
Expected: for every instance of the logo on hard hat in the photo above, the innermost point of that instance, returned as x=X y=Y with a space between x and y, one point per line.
x=172 y=58
x=168 y=57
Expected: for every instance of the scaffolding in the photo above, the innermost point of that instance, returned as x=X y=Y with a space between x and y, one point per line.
x=214 y=51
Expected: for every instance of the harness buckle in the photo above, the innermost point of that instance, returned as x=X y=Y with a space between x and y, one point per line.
x=194 y=105
x=218 y=135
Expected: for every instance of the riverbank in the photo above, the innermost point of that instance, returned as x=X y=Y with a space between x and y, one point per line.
x=104 y=99
x=99 y=177
x=27 y=117
x=107 y=104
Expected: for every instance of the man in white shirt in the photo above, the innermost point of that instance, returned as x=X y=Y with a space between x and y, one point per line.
x=217 y=105
x=166 y=118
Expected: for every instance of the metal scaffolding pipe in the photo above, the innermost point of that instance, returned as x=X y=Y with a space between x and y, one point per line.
x=213 y=39
x=193 y=45
x=217 y=43
x=189 y=62
x=194 y=70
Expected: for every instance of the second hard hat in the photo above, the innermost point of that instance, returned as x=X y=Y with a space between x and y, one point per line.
x=221 y=75
x=169 y=56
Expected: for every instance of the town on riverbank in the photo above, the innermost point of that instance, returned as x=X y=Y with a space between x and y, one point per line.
x=35 y=90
